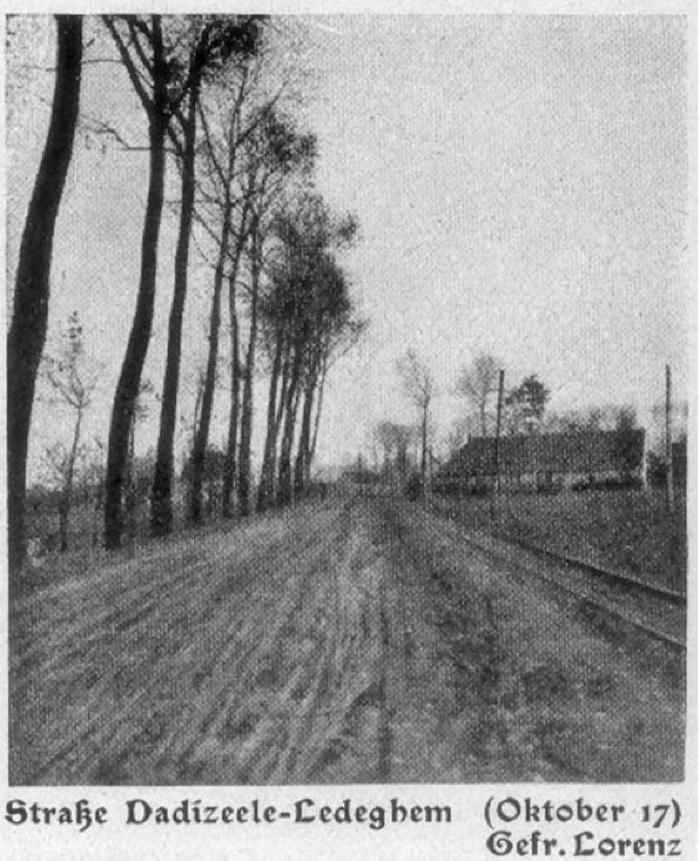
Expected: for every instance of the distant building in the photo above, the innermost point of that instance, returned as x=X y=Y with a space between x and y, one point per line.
x=543 y=461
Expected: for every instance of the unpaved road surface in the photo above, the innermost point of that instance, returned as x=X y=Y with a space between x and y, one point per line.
x=349 y=641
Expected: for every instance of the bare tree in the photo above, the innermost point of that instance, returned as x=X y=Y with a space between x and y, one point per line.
x=27 y=334
x=418 y=385
x=133 y=485
x=73 y=384
x=478 y=383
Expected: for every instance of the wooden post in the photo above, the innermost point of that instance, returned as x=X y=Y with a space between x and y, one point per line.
x=497 y=443
x=669 y=443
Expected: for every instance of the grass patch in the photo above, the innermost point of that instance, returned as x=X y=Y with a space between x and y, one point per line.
x=626 y=530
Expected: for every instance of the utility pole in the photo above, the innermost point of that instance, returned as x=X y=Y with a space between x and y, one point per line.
x=497 y=443
x=669 y=443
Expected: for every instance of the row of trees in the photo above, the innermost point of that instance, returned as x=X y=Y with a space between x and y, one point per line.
x=244 y=172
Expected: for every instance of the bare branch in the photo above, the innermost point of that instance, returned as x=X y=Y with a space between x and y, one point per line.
x=129 y=64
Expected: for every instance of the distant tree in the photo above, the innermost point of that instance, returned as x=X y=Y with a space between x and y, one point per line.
x=395 y=440
x=478 y=383
x=385 y=437
x=307 y=320
x=627 y=449
x=135 y=467
x=61 y=467
x=73 y=384
x=525 y=405
x=27 y=335
x=418 y=384
x=91 y=485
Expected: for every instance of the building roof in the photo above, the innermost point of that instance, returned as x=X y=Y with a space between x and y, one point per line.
x=576 y=452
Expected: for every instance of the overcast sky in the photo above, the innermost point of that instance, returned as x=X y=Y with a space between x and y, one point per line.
x=521 y=186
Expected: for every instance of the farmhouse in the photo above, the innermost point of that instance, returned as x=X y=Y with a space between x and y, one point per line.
x=544 y=461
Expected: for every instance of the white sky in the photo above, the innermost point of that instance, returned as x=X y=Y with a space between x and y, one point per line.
x=521 y=186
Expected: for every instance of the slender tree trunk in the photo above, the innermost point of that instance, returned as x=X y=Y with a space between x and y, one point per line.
x=196 y=412
x=232 y=440
x=137 y=347
x=130 y=501
x=27 y=334
x=247 y=402
x=267 y=472
x=284 y=488
x=279 y=416
x=302 y=463
x=67 y=494
x=199 y=449
x=424 y=445
x=231 y=443
x=319 y=405
x=161 y=492
x=286 y=368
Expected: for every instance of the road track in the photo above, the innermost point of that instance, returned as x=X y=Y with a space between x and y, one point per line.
x=358 y=640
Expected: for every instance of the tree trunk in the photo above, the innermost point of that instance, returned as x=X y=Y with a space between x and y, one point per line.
x=424 y=445
x=302 y=464
x=137 y=347
x=130 y=484
x=67 y=494
x=284 y=489
x=161 y=492
x=286 y=369
x=199 y=449
x=319 y=404
x=230 y=460
x=27 y=334
x=247 y=402
x=267 y=472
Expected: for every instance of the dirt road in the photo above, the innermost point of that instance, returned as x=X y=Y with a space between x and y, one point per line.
x=344 y=642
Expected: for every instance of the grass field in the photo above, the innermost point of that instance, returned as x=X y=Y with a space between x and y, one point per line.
x=627 y=530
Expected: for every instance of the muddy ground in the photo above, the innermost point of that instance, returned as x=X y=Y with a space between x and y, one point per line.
x=352 y=641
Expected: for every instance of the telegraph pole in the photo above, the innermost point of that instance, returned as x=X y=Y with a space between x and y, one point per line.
x=669 y=443
x=497 y=443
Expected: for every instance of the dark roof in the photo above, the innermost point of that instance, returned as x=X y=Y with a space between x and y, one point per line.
x=578 y=452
